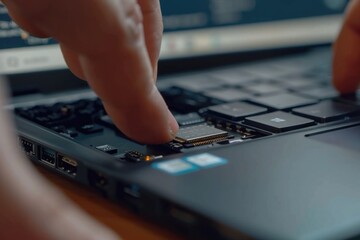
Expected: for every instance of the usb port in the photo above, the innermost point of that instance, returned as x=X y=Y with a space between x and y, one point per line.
x=48 y=156
x=67 y=165
x=28 y=147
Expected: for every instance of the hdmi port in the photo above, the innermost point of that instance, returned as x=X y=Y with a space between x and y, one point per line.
x=67 y=165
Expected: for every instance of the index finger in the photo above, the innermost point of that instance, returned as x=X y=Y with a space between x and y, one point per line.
x=346 y=63
x=107 y=39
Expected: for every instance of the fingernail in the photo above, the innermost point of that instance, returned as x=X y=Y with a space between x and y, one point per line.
x=173 y=125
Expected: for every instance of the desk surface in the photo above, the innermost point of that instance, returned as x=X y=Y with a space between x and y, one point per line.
x=121 y=220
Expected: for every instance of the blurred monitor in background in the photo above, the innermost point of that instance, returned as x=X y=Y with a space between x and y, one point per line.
x=197 y=28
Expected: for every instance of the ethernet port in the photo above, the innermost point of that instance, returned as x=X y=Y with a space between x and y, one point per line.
x=67 y=165
x=28 y=147
x=47 y=156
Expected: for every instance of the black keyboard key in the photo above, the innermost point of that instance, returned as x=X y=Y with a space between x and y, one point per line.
x=107 y=149
x=32 y=113
x=90 y=129
x=283 y=101
x=42 y=120
x=64 y=131
x=324 y=92
x=189 y=102
x=267 y=71
x=171 y=92
x=71 y=133
x=59 y=129
x=327 y=111
x=351 y=98
x=189 y=119
x=39 y=111
x=198 y=83
x=298 y=83
x=234 y=77
x=278 y=122
x=264 y=89
x=236 y=111
x=227 y=94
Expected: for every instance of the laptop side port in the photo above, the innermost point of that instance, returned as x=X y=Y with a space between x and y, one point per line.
x=28 y=146
x=47 y=156
x=182 y=216
x=98 y=181
x=67 y=165
x=130 y=195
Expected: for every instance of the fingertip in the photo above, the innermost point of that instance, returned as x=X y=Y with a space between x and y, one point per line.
x=173 y=126
x=345 y=86
x=148 y=123
x=346 y=62
x=158 y=133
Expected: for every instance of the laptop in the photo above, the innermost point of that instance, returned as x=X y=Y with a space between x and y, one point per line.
x=267 y=149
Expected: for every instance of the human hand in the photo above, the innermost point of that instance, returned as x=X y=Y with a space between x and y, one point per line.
x=114 y=45
x=30 y=207
x=346 y=63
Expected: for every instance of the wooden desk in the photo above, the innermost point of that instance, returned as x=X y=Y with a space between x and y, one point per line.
x=121 y=220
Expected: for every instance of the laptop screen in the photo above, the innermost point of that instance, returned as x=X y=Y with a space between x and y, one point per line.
x=197 y=28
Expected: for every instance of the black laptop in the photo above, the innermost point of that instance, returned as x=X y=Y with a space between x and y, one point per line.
x=267 y=149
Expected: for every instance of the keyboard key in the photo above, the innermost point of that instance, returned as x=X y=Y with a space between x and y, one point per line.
x=189 y=119
x=107 y=148
x=236 y=111
x=234 y=76
x=351 y=98
x=264 y=89
x=227 y=94
x=189 y=102
x=297 y=83
x=267 y=70
x=324 y=92
x=90 y=129
x=283 y=101
x=66 y=132
x=71 y=133
x=327 y=111
x=278 y=122
x=198 y=83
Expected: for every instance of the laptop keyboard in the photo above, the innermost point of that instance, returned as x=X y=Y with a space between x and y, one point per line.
x=214 y=108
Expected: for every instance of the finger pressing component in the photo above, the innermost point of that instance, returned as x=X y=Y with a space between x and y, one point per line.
x=346 y=61
x=114 y=45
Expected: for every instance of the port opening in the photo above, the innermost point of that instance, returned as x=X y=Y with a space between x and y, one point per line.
x=67 y=165
x=28 y=146
x=190 y=223
x=47 y=156
x=98 y=181
x=131 y=196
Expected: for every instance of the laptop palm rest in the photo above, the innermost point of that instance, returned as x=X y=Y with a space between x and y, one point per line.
x=348 y=138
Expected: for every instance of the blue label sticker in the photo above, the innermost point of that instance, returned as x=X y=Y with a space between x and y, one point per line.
x=175 y=167
x=206 y=160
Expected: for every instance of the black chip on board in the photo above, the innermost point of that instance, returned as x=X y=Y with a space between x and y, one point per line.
x=107 y=148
